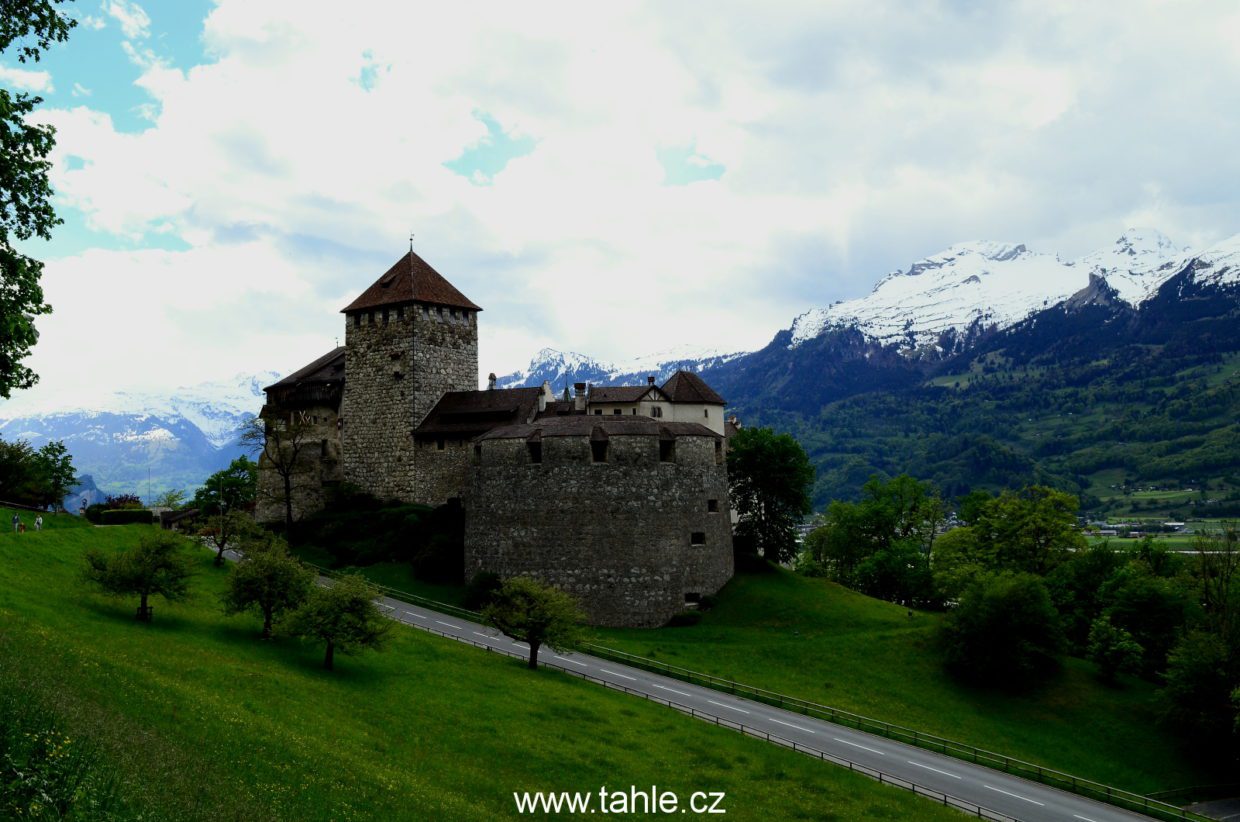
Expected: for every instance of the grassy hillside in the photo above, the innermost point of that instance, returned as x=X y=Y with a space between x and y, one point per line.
x=815 y=640
x=200 y=720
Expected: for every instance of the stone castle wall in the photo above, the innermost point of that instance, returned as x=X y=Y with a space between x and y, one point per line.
x=442 y=473
x=318 y=464
x=401 y=360
x=617 y=535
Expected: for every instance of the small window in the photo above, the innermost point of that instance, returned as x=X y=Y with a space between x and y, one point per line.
x=439 y=444
x=357 y=320
x=697 y=538
x=598 y=412
x=712 y=506
x=718 y=452
x=535 y=452
x=385 y=316
x=667 y=450
x=634 y=411
x=657 y=411
x=322 y=448
x=400 y=312
x=692 y=597
x=616 y=411
x=370 y=318
x=706 y=413
x=598 y=450
x=477 y=454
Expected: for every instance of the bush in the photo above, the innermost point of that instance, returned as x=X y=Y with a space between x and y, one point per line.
x=94 y=513
x=1004 y=631
x=126 y=516
x=684 y=619
x=481 y=590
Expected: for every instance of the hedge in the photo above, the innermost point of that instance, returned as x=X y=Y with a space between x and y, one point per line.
x=126 y=516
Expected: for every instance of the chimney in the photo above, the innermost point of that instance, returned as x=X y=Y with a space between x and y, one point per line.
x=579 y=401
x=650 y=380
x=491 y=381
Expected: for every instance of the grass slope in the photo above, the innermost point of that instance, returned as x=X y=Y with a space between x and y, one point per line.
x=818 y=641
x=200 y=720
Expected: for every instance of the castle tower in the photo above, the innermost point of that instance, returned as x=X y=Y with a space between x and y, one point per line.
x=409 y=338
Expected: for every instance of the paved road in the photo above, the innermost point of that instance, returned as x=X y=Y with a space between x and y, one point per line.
x=996 y=791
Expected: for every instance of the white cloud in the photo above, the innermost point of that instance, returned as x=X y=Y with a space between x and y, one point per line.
x=80 y=90
x=854 y=137
x=133 y=19
x=26 y=80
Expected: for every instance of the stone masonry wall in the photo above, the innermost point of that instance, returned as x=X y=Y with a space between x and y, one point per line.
x=400 y=361
x=616 y=535
x=442 y=473
x=318 y=463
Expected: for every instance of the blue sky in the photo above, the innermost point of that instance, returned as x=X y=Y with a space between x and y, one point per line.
x=612 y=179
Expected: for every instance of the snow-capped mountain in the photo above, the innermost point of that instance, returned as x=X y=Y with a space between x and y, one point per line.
x=991 y=286
x=143 y=442
x=561 y=368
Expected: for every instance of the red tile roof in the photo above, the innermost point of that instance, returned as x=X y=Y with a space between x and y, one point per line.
x=411 y=279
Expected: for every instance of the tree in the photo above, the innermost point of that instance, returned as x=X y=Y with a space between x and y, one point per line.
x=769 y=476
x=343 y=615
x=235 y=487
x=1200 y=680
x=881 y=545
x=25 y=192
x=1113 y=650
x=1005 y=630
x=527 y=611
x=56 y=473
x=268 y=580
x=157 y=565
x=226 y=530
x=281 y=440
x=1032 y=530
x=1218 y=562
x=172 y=498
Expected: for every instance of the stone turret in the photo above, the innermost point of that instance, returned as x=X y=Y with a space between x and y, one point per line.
x=410 y=338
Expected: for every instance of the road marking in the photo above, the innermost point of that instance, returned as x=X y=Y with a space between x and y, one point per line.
x=1018 y=796
x=790 y=725
x=479 y=633
x=726 y=705
x=572 y=661
x=936 y=770
x=449 y=624
x=415 y=616
x=617 y=673
x=673 y=690
x=855 y=745
x=1086 y=818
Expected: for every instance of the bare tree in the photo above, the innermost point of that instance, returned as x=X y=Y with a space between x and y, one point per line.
x=281 y=438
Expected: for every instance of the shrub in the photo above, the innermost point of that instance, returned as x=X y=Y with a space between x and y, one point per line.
x=481 y=590
x=1004 y=631
x=126 y=516
x=684 y=619
x=94 y=513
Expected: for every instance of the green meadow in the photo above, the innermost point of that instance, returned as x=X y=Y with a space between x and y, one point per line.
x=193 y=717
x=813 y=639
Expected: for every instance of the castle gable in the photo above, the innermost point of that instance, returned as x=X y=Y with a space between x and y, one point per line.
x=411 y=280
x=685 y=386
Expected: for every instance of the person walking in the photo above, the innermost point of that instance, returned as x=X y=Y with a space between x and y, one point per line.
x=38 y=523
x=17 y=521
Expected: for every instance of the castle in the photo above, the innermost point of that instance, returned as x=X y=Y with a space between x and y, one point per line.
x=618 y=495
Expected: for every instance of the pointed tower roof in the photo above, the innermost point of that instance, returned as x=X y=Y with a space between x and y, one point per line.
x=411 y=279
x=685 y=386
